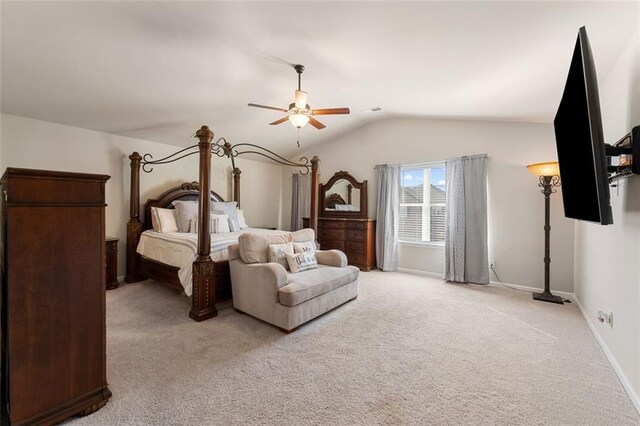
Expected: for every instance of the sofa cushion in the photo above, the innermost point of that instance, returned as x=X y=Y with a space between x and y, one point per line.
x=254 y=248
x=306 y=285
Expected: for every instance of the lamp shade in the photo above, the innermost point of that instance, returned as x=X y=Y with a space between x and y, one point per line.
x=550 y=168
x=299 y=120
x=301 y=99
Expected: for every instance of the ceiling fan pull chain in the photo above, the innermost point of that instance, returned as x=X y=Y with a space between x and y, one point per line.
x=298 y=139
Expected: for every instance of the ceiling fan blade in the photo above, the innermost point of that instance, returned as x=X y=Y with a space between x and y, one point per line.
x=315 y=123
x=330 y=111
x=282 y=120
x=267 y=107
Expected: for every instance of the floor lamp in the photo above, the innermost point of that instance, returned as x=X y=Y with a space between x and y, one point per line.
x=549 y=179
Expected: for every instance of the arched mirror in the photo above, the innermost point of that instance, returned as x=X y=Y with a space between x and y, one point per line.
x=343 y=196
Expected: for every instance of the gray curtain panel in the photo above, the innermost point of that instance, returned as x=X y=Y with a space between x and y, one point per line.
x=300 y=199
x=466 y=245
x=387 y=206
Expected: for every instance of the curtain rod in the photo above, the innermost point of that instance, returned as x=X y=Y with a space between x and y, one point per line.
x=433 y=162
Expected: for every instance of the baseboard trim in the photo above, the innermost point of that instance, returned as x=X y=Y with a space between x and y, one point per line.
x=626 y=384
x=564 y=294
x=419 y=272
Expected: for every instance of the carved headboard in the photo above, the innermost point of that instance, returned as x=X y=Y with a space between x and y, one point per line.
x=333 y=199
x=188 y=191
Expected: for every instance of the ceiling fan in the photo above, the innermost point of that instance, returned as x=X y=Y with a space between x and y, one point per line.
x=300 y=113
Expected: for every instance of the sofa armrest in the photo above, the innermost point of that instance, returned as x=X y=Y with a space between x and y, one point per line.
x=332 y=258
x=254 y=285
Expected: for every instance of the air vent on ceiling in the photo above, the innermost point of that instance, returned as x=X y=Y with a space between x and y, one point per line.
x=374 y=109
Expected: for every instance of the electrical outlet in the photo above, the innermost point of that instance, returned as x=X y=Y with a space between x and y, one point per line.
x=605 y=318
x=492 y=263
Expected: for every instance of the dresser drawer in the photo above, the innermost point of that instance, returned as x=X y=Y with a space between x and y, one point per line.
x=353 y=235
x=355 y=247
x=355 y=259
x=332 y=245
x=333 y=224
x=358 y=225
x=333 y=234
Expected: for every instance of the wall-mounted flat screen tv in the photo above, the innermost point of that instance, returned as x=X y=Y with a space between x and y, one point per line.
x=580 y=141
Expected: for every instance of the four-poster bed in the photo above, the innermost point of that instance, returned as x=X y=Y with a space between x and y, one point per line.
x=210 y=278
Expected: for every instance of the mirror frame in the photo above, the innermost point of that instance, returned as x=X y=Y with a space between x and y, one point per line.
x=325 y=188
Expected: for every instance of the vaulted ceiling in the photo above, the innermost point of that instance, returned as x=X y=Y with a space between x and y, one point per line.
x=158 y=70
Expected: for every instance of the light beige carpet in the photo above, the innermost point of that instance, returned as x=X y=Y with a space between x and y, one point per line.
x=409 y=350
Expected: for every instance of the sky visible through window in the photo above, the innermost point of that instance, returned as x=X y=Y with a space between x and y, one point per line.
x=415 y=177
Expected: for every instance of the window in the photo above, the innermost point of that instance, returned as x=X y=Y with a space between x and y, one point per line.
x=422 y=203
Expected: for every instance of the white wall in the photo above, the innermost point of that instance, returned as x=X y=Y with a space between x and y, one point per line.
x=607 y=275
x=29 y=143
x=516 y=206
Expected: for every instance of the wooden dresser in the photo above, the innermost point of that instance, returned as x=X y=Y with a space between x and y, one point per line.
x=355 y=237
x=52 y=243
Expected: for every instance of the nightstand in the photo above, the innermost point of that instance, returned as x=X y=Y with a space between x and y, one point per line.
x=111 y=262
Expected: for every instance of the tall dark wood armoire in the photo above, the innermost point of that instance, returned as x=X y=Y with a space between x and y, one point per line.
x=53 y=296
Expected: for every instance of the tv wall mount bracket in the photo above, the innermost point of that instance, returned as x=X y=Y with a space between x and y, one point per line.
x=627 y=149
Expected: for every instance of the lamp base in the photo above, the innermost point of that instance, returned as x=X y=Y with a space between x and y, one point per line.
x=548 y=297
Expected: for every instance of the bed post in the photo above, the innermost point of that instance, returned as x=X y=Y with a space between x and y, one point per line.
x=204 y=290
x=313 y=215
x=236 y=185
x=134 y=226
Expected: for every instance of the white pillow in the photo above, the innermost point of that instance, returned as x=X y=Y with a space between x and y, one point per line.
x=155 y=222
x=241 y=221
x=302 y=261
x=233 y=225
x=185 y=211
x=213 y=227
x=228 y=207
x=342 y=207
x=223 y=223
x=278 y=253
x=301 y=247
x=166 y=219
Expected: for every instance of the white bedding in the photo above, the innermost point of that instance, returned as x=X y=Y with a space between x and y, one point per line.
x=181 y=249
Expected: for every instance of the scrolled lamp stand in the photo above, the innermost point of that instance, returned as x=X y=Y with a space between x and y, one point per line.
x=549 y=181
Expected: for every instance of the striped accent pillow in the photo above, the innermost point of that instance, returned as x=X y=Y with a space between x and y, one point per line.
x=193 y=225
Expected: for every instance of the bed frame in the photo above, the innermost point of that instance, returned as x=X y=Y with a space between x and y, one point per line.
x=211 y=280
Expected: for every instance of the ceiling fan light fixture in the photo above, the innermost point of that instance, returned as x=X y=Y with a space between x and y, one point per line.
x=299 y=120
x=301 y=99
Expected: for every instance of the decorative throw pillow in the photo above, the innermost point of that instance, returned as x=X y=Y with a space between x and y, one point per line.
x=193 y=225
x=241 y=221
x=254 y=248
x=223 y=223
x=302 y=261
x=228 y=207
x=234 y=226
x=304 y=246
x=166 y=220
x=278 y=253
x=185 y=211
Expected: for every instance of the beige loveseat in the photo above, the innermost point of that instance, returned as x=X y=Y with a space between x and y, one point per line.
x=269 y=292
